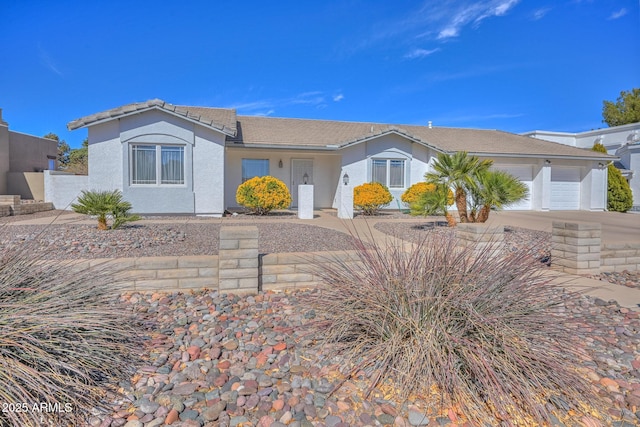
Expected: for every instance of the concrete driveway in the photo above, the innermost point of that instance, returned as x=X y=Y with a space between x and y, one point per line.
x=616 y=227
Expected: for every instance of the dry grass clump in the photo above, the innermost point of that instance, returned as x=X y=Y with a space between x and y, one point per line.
x=484 y=330
x=64 y=338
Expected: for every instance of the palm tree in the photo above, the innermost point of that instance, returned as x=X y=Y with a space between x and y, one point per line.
x=105 y=204
x=457 y=171
x=435 y=202
x=494 y=190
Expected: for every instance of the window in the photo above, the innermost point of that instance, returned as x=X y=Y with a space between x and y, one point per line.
x=388 y=172
x=148 y=162
x=254 y=167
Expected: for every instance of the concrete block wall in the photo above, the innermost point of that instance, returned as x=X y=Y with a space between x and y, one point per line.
x=12 y=205
x=620 y=257
x=576 y=247
x=293 y=270
x=238 y=259
x=168 y=273
x=481 y=238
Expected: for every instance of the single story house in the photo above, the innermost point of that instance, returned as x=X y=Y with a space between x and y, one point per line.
x=23 y=157
x=190 y=160
x=620 y=141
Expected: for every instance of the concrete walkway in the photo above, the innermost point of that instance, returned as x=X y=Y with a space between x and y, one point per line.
x=616 y=228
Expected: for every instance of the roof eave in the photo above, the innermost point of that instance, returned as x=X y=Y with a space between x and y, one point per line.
x=393 y=131
x=605 y=157
x=81 y=123
x=281 y=146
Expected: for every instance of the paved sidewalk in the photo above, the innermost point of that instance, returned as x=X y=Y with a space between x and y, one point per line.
x=615 y=228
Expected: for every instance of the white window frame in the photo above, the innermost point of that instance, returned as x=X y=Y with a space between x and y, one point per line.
x=158 y=165
x=387 y=166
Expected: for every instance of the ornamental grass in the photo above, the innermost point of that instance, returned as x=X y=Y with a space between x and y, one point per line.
x=481 y=327
x=65 y=339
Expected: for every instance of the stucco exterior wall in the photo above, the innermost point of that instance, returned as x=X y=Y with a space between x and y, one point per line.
x=30 y=153
x=20 y=152
x=356 y=162
x=209 y=172
x=110 y=163
x=622 y=141
x=27 y=185
x=326 y=168
x=62 y=188
x=4 y=157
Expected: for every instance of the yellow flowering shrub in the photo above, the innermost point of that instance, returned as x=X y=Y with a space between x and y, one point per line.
x=262 y=194
x=415 y=192
x=371 y=197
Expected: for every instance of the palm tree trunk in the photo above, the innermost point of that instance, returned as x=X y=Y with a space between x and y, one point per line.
x=451 y=221
x=102 y=222
x=461 y=204
x=483 y=215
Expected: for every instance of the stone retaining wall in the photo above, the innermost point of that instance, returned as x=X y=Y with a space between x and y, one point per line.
x=293 y=270
x=625 y=256
x=575 y=247
x=166 y=273
x=12 y=205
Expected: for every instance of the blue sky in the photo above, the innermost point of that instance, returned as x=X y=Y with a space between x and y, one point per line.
x=514 y=65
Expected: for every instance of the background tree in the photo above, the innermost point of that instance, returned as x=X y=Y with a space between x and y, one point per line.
x=63 y=150
x=79 y=159
x=625 y=110
x=619 y=195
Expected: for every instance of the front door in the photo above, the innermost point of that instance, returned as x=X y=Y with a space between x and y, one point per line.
x=301 y=173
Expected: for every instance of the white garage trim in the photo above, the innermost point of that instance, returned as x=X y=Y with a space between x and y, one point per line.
x=565 y=188
x=525 y=174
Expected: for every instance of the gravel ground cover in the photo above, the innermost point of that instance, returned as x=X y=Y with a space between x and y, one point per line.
x=226 y=360
x=71 y=241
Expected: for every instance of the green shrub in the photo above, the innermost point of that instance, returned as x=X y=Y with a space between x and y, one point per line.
x=262 y=194
x=104 y=204
x=64 y=337
x=371 y=197
x=483 y=329
x=619 y=195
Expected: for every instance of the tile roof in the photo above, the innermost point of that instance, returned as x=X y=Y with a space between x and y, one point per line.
x=254 y=131
x=305 y=133
x=221 y=119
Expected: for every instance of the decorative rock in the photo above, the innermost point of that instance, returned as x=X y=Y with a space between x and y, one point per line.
x=172 y=417
x=417 y=418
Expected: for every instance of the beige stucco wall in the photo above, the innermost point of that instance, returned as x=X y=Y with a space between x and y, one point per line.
x=30 y=153
x=28 y=185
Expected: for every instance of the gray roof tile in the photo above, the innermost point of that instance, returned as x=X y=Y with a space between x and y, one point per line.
x=329 y=134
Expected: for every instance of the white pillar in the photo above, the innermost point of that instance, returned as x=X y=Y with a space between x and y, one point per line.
x=345 y=202
x=305 y=201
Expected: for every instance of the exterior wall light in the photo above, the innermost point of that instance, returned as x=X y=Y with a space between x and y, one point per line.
x=345 y=178
x=305 y=178
x=280 y=164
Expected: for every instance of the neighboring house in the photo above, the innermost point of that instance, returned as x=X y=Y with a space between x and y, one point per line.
x=180 y=159
x=621 y=141
x=22 y=159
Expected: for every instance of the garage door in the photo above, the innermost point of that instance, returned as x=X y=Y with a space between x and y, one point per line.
x=524 y=174
x=565 y=188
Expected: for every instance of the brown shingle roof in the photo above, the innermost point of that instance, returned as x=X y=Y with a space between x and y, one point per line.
x=221 y=119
